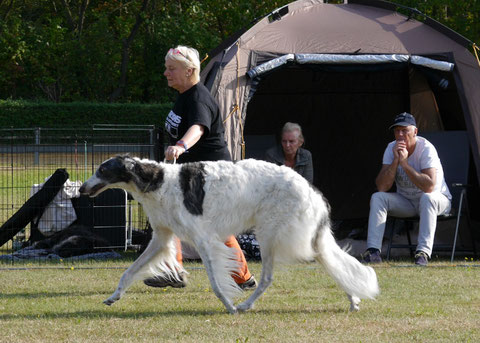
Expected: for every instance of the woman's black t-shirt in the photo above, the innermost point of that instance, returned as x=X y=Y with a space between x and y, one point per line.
x=197 y=106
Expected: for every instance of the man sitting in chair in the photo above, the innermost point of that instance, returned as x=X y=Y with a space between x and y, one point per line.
x=413 y=164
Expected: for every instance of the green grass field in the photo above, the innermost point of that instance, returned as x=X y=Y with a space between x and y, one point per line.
x=440 y=303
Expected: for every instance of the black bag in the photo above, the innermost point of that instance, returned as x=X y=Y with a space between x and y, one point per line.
x=249 y=244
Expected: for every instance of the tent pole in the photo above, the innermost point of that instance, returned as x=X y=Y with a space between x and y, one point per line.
x=475 y=49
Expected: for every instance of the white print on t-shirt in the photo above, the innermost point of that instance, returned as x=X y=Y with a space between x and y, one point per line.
x=406 y=187
x=172 y=123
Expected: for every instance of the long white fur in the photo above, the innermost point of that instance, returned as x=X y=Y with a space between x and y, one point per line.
x=284 y=209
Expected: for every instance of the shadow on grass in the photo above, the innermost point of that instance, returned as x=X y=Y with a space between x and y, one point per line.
x=111 y=313
x=43 y=295
x=107 y=314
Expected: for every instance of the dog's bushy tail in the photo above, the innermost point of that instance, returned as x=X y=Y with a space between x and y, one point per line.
x=353 y=277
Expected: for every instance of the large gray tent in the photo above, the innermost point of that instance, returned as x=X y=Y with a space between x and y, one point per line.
x=343 y=72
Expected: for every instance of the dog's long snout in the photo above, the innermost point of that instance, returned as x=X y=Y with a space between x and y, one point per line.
x=92 y=187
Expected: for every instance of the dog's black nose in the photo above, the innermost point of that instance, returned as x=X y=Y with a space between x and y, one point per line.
x=82 y=189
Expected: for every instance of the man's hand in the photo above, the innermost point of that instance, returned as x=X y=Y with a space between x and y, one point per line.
x=400 y=152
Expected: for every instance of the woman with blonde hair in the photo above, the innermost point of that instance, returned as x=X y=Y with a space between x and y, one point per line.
x=196 y=133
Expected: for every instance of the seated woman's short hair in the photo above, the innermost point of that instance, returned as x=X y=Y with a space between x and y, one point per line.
x=289 y=127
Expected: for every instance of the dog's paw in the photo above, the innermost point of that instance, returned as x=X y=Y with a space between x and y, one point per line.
x=109 y=301
x=354 y=302
x=232 y=310
x=243 y=307
x=354 y=307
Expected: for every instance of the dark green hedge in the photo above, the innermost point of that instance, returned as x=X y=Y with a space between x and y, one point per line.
x=25 y=114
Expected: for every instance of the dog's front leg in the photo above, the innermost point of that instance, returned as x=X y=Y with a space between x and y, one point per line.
x=133 y=274
x=121 y=288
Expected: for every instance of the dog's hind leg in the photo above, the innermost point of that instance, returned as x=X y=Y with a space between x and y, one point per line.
x=354 y=302
x=136 y=270
x=219 y=263
x=266 y=279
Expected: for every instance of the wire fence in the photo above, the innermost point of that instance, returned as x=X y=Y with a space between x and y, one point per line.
x=42 y=215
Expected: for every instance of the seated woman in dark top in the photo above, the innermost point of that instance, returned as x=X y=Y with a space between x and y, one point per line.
x=290 y=153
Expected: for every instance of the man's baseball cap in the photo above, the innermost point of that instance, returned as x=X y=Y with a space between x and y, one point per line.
x=404 y=119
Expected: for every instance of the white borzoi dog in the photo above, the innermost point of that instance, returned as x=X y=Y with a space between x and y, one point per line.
x=205 y=202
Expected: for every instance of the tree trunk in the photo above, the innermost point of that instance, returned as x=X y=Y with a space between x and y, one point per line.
x=126 y=43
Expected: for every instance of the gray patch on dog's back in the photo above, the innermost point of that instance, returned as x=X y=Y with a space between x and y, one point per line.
x=149 y=177
x=192 y=180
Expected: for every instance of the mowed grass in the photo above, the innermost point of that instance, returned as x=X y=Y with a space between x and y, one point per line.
x=440 y=303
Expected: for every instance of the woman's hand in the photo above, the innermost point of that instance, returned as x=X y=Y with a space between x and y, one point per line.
x=191 y=137
x=174 y=152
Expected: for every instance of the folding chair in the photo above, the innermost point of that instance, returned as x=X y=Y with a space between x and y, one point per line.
x=454 y=152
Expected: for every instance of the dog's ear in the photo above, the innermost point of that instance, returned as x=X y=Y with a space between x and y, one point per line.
x=148 y=176
x=129 y=163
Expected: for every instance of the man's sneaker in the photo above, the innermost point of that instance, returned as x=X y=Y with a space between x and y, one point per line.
x=372 y=255
x=162 y=281
x=421 y=258
x=249 y=284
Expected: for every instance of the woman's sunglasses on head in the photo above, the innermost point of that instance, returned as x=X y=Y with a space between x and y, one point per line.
x=177 y=52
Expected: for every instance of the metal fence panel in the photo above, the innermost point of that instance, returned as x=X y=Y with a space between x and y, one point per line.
x=29 y=157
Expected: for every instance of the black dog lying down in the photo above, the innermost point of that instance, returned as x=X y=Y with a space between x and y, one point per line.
x=75 y=240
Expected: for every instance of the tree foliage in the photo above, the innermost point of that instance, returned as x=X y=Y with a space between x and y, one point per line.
x=113 y=50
